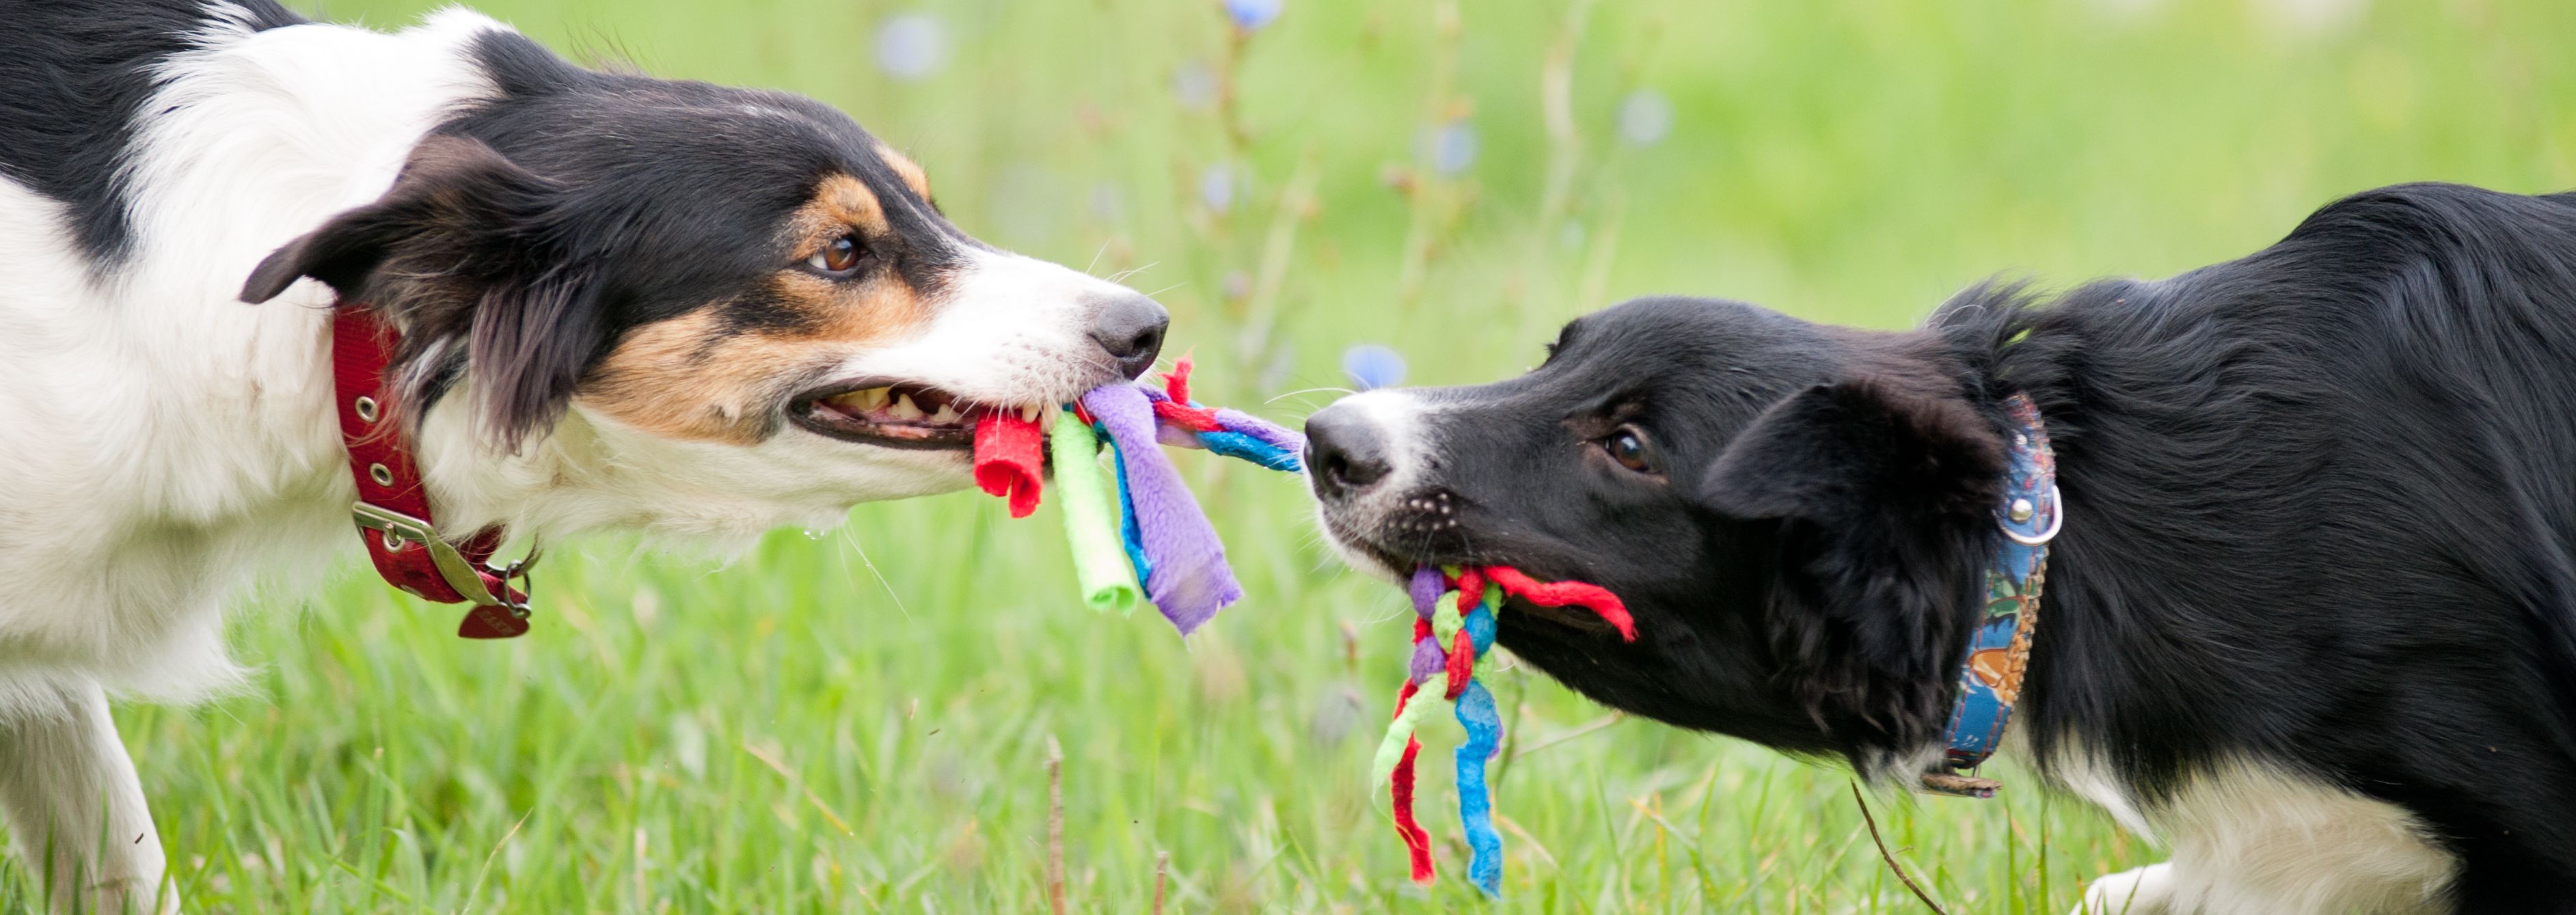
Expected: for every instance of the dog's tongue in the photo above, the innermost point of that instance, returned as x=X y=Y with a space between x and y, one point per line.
x=1008 y=450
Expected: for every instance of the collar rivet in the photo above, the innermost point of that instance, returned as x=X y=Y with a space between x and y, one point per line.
x=2021 y=510
x=384 y=476
x=366 y=407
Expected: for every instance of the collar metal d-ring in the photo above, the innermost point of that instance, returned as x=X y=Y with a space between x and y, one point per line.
x=2056 y=522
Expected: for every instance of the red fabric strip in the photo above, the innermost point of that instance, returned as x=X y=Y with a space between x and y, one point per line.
x=1462 y=662
x=1417 y=841
x=1177 y=381
x=1177 y=410
x=1009 y=454
x=1195 y=419
x=1591 y=597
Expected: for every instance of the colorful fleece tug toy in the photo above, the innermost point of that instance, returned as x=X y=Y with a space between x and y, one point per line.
x=1449 y=646
x=1158 y=538
x=1157 y=545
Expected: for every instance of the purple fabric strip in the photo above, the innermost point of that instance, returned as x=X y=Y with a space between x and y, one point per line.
x=1425 y=588
x=1248 y=424
x=1429 y=662
x=1177 y=437
x=1190 y=580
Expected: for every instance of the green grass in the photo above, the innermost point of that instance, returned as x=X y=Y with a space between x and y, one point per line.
x=858 y=721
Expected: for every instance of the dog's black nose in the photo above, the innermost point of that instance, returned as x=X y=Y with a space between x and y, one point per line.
x=1129 y=328
x=1345 y=452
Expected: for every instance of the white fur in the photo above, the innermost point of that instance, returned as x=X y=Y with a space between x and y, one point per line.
x=2250 y=839
x=164 y=446
x=1400 y=419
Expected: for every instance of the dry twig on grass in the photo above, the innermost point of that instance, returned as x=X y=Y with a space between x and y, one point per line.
x=1890 y=857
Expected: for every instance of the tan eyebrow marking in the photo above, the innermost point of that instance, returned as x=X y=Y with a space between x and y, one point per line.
x=910 y=171
x=840 y=203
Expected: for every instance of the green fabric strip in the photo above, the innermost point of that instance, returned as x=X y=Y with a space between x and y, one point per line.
x=1427 y=705
x=1090 y=525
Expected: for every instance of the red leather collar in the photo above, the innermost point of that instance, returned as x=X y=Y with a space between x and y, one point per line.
x=392 y=511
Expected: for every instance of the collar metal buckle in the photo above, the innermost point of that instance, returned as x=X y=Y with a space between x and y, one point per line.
x=458 y=571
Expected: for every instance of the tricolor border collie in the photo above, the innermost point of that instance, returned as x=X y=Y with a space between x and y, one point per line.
x=2310 y=619
x=623 y=302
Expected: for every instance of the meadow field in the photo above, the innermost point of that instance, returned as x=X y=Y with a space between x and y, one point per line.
x=861 y=719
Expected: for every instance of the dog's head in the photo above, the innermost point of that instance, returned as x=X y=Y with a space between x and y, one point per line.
x=739 y=292
x=1794 y=514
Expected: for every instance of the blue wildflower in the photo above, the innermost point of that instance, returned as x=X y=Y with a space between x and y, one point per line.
x=911 y=46
x=1451 y=148
x=1216 y=187
x=1194 y=85
x=1372 y=366
x=1645 y=117
x=1252 y=15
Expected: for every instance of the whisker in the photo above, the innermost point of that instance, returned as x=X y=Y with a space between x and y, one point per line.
x=1288 y=394
x=1121 y=276
x=853 y=539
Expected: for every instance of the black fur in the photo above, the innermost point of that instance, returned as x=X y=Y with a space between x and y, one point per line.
x=2321 y=515
x=74 y=77
x=530 y=232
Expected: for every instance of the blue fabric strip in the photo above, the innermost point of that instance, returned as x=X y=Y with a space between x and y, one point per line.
x=1245 y=447
x=1479 y=624
x=1475 y=801
x=1129 y=535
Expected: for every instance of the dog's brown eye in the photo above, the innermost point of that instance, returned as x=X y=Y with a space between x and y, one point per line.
x=1628 y=447
x=837 y=256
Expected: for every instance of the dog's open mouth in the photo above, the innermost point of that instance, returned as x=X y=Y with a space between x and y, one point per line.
x=900 y=415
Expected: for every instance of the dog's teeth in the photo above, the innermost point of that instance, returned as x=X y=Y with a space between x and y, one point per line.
x=903 y=408
x=1047 y=418
x=1028 y=414
x=946 y=414
x=863 y=401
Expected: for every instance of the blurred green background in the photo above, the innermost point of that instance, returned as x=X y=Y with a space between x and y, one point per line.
x=857 y=720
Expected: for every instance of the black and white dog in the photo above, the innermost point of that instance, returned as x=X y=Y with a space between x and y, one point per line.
x=685 y=309
x=2311 y=620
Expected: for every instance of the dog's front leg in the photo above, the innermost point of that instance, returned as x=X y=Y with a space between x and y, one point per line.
x=71 y=793
x=2139 y=891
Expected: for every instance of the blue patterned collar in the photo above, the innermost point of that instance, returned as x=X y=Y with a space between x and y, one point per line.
x=1990 y=676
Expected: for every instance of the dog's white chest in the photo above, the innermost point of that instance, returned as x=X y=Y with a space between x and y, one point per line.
x=2250 y=839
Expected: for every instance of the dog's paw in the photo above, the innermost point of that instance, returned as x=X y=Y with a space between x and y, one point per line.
x=2140 y=891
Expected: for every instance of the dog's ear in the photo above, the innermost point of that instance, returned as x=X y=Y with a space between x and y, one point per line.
x=1852 y=450
x=468 y=255
x=1881 y=494
x=450 y=189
